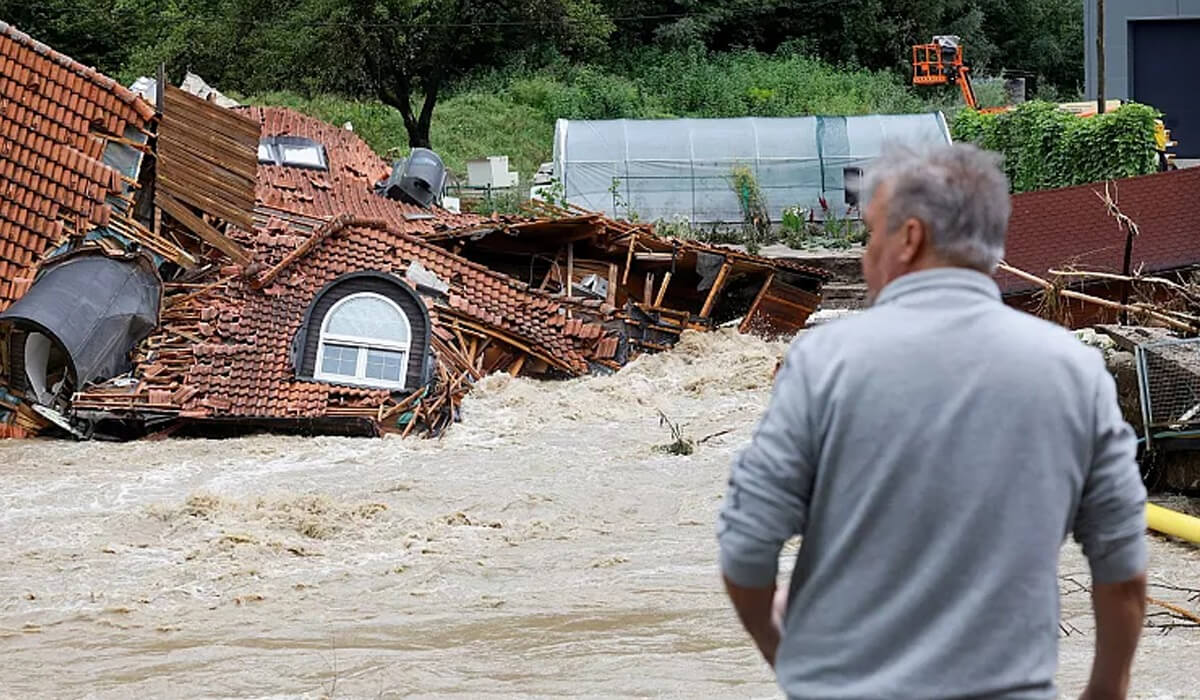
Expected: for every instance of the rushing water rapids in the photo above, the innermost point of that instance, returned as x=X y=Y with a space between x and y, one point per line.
x=544 y=547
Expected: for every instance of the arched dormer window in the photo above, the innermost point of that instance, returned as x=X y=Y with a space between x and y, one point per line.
x=365 y=339
x=367 y=329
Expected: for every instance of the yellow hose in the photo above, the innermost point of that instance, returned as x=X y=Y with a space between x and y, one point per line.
x=1174 y=523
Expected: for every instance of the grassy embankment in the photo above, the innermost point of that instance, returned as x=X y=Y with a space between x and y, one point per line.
x=512 y=112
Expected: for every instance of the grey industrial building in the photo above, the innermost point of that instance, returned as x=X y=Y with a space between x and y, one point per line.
x=1151 y=55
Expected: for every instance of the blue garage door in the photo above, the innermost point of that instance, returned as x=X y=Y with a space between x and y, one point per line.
x=1164 y=55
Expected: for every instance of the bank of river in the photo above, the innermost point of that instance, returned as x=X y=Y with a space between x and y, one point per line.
x=542 y=548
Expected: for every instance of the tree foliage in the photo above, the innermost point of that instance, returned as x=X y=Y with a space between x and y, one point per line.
x=408 y=53
x=1046 y=147
x=1041 y=36
x=402 y=48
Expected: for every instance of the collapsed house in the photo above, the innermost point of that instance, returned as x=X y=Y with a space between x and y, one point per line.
x=182 y=265
x=659 y=286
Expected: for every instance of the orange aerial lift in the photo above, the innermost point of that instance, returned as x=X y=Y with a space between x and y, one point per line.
x=941 y=62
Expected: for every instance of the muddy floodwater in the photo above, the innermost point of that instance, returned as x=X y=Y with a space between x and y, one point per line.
x=543 y=548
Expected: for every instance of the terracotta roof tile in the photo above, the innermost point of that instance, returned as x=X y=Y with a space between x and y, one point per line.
x=47 y=143
x=347 y=188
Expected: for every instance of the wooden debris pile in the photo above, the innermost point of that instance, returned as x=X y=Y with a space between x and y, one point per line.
x=225 y=350
x=657 y=287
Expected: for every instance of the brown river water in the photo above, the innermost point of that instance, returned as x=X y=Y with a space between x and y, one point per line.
x=543 y=548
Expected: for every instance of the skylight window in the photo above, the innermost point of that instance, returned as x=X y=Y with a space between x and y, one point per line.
x=292 y=151
x=304 y=156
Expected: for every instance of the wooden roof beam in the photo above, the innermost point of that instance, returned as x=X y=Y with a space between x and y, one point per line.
x=207 y=233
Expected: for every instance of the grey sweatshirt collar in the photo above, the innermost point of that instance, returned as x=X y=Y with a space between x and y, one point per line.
x=913 y=287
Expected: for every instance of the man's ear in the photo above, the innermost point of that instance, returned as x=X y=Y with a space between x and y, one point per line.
x=914 y=233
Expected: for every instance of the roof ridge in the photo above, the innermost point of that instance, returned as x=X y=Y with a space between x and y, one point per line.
x=322 y=232
x=123 y=93
x=343 y=221
x=1180 y=173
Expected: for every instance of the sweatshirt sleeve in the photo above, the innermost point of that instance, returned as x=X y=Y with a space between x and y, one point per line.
x=770 y=481
x=1111 y=520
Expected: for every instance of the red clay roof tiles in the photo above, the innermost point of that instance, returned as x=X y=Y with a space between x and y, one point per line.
x=234 y=338
x=49 y=151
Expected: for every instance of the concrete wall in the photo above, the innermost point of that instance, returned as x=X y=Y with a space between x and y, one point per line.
x=1117 y=14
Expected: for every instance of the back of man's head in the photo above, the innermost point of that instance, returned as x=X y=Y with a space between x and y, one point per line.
x=958 y=192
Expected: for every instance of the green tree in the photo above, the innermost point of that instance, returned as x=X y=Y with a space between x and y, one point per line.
x=93 y=32
x=1043 y=36
x=402 y=50
x=240 y=45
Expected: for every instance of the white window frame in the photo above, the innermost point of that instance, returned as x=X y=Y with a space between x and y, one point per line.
x=276 y=147
x=364 y=345
x=317 y=162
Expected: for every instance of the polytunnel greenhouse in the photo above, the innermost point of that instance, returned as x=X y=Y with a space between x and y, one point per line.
x=672 y=168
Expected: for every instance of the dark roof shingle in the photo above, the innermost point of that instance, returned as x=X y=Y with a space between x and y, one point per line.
x=1072 y=226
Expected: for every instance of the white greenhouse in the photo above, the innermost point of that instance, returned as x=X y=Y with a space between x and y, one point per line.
x=672 y=168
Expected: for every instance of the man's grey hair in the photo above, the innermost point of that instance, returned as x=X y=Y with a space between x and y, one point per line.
x=957 y=191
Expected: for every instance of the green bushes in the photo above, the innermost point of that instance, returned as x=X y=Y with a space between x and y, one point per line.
x=747 y=83
x=756 y=220
x=653 y=84
x=1046 y=147
x=512 y=111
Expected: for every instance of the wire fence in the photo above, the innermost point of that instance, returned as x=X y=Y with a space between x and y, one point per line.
x=1169 y=382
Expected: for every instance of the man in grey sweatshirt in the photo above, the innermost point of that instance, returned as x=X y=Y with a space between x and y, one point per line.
x=933 y=453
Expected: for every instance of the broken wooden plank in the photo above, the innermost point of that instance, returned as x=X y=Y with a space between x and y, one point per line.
x=1098 y=301
x=611 y=297
x=196 y=195
x=628 y=260
x=662 y=290
x=570 y=268
x=654 y=257
x=716 y=289
x=746 y=322
x=201 y=228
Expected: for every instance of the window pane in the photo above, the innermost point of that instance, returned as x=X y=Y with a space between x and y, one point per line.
x=339 y=359
x=385 y=364
x=264 y=153
x=369 y=318
x=308 y=156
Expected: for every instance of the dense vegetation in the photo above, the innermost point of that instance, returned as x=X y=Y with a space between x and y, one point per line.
x=512 y=111
x=561 y=57
x=480 y=77
x=1045 y=147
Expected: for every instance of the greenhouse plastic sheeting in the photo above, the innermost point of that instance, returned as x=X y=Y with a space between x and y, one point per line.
x=671 y=168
